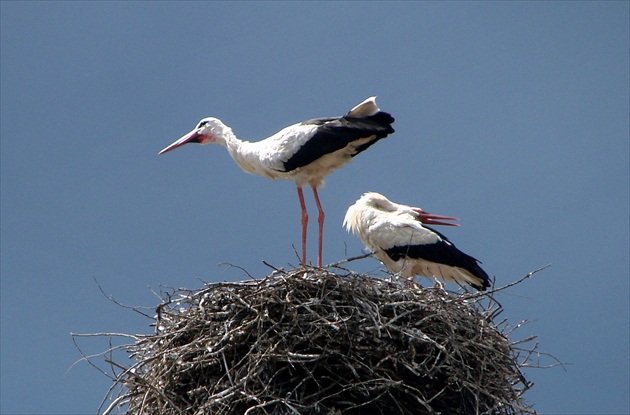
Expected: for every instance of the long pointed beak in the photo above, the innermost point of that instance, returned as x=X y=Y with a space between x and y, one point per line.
x=191 y=137
x=431 y=219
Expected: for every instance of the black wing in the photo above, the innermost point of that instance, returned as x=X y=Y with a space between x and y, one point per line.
x=336 y=133
x=441 y=252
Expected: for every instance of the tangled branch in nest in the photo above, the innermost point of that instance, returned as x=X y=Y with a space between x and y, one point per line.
x=315 y=342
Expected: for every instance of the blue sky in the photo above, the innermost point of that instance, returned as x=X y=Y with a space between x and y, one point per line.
x=512 y=116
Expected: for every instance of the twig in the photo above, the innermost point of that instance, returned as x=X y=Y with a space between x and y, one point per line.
x=345 y=261
x=111 y=298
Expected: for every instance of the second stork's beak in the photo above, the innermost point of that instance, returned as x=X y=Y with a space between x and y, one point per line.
x=431 y=219
x=191 y=137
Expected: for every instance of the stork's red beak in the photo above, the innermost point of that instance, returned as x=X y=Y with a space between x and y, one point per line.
x=191 y=137
x=431 y=219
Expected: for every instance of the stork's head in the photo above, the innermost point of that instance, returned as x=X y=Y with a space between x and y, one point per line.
x=209 y=130
x=379 y=202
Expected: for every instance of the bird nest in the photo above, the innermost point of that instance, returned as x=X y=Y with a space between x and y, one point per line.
x=311 y=341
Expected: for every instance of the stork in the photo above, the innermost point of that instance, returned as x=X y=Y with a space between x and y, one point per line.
x=397 y=236
x=304 y=152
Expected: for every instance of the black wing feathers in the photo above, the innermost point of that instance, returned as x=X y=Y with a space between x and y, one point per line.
x=443 y=252
x=336 y=133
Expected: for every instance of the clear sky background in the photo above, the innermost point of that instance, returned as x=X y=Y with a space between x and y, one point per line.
x=512 y=116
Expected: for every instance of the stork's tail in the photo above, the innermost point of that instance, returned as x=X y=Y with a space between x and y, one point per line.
x=365 y=109
x=369 y=109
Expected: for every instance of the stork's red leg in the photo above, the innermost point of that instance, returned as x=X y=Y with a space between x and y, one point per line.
x=320 y=222
x=304 y=223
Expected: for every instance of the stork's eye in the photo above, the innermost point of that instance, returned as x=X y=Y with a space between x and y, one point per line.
x=202 y=124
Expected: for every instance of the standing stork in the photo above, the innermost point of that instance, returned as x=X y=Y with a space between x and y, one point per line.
x=304 y=152
x=398 y=236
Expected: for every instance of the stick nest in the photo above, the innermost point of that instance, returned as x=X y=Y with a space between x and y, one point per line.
x=311 y=341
